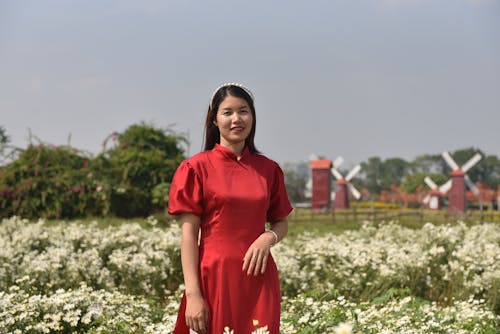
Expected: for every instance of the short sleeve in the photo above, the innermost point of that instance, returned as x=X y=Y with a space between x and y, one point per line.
x=186 y=192
x=280 y=206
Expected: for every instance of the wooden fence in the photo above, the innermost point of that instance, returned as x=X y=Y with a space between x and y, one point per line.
x=404 y=216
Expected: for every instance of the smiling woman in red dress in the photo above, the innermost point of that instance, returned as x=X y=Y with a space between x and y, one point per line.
x=229 y=191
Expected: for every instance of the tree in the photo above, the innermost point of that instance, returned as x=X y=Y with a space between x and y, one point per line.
x=429 y=163
x=52 y=182
x=490 y=166
x=4 y=139
x=370 y=175
x=146 y=157
x=296 y=176
x=394 y=169
x=377 y=175
x=411 y=182
x=131 y=179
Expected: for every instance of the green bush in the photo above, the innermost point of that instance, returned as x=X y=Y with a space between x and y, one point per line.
x=62 y=182
x=50 y=181
x=145 y=157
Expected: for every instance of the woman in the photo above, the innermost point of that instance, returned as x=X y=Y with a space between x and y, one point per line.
x=228 y=192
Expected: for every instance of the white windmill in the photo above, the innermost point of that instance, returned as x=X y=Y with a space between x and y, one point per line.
x=459 y=179
x=435 y=199
x=343 y=186
x=309 y=183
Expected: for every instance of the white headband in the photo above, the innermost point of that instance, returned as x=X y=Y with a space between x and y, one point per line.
x=232 y=84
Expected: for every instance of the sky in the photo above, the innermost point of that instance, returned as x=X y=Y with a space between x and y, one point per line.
x=357 y=79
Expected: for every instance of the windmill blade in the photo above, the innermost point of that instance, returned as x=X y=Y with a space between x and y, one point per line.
x=471 y=185
x=353 y=172
x=336 y=173
x=309 y=184
x=354 y=191
x=449 y=160
x=430 y=183
x=445 y=187
x=308 y=188
x=337 y=162
x=426 y=199
x=472 y=161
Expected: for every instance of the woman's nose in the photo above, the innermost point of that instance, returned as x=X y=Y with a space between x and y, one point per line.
x=236 y=117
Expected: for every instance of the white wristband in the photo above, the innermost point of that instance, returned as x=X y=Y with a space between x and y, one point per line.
x=275 y=237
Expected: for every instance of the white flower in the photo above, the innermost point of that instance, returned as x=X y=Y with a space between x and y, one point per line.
x=343 y=328
x=261 y=330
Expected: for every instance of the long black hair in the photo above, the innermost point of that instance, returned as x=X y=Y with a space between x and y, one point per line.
x=212 y=134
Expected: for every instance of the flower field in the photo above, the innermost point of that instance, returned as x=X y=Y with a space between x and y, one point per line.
x=81 y=278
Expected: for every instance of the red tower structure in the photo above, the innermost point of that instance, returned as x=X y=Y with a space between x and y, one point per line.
x=458 y=181
x=341 y=194
x=456 y=196
x=343 y=187
x=321 y=184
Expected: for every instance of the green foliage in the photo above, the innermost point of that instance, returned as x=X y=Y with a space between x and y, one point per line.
x=50 y=181
x=378 y=174
x=145 y=157
x=411 y=182
x=429 y=163
x=490 y=169
x=61 y=182
x=4 y=139
x=296 y=177
x=160 y=194
x=390 y=294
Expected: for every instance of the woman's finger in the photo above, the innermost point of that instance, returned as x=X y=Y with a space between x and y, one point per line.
x=264 y=263
x=246 y=261
x=251 y=266
x=258 y=264
x=201 y=326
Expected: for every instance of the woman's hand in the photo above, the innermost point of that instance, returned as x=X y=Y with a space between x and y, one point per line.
x=255 y=260
x=196 y=313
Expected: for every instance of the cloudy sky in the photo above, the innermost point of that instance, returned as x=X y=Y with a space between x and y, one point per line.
x=391 y=78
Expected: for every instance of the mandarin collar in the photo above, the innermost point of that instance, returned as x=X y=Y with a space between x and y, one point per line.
x=230 y=154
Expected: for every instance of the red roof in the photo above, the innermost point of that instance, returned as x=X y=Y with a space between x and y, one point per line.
x=321 y=164
x=457 y=172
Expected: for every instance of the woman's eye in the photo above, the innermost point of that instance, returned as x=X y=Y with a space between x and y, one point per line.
x=244 y=111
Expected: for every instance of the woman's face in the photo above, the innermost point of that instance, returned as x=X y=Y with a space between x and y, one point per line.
x=234 y=120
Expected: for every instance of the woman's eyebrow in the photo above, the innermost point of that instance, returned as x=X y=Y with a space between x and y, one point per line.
x=241 y=107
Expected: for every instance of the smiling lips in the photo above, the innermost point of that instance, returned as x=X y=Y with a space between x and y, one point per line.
x=237 y=128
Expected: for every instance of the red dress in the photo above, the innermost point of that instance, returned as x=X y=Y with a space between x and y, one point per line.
x=234 y=199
